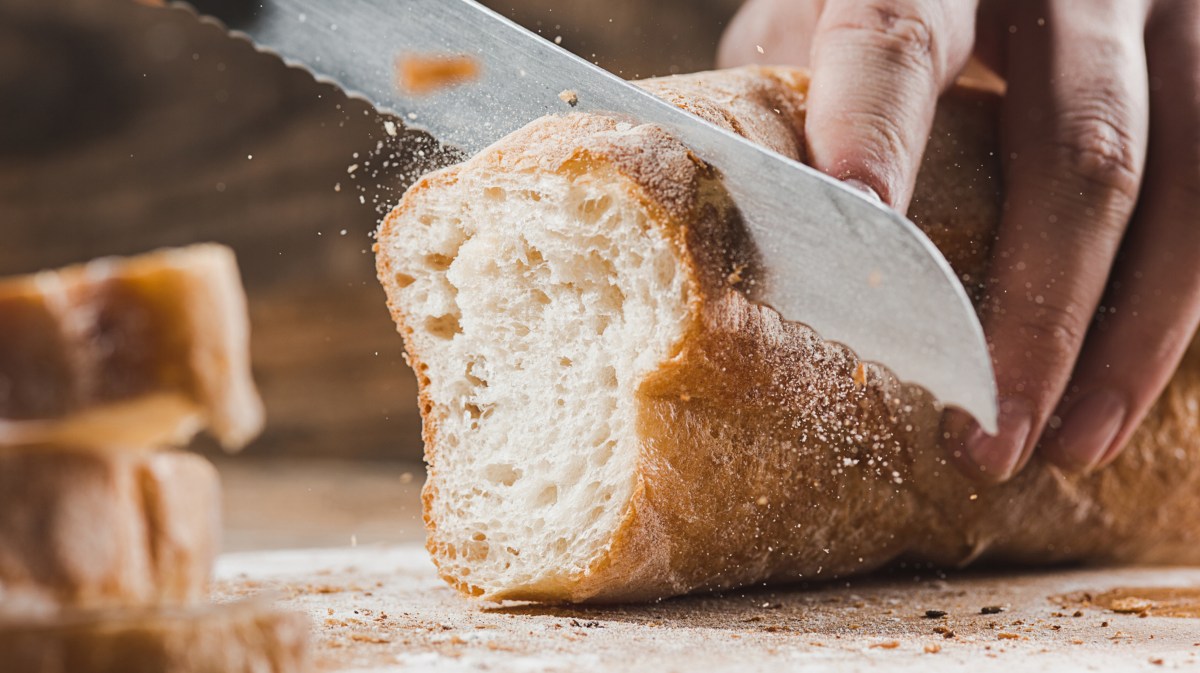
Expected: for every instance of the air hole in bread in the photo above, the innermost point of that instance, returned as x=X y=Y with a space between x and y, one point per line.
x=443 y=326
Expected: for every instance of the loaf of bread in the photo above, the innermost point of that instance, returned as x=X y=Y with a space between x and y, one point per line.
x=134 y=352
x=608 y=417
x=246 y=637
x=85 y=530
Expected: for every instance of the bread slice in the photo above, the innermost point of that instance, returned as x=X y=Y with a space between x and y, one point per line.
x=608 y=417
x=84 y=530
x=245 y=637
x=131 y=352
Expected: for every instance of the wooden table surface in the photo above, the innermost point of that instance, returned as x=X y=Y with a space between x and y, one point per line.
x=379 y=606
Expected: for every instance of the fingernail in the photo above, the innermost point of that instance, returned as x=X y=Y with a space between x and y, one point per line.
x=1088 y=429
x=996 y=457
x=863 y=187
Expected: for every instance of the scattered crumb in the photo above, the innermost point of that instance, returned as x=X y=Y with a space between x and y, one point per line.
x=735 y=276
x=933 y=648
x=1005 y=635
x=860 y=375
x=886 y=645
x=423 y=74
x=762 y=501
x=991 y=610
x=935 y=614
x=569 y=97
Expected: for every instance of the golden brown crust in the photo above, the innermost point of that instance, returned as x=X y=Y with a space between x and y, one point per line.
x=246 y=637
x=128 y=352
x=81 y=530
x=770 y=455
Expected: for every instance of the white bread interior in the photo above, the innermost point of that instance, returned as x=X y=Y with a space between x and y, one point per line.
x=537 y=308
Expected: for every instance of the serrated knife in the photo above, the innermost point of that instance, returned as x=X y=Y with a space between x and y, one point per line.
x=856 y=272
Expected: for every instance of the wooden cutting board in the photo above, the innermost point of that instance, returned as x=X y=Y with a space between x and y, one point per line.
x=382 y=608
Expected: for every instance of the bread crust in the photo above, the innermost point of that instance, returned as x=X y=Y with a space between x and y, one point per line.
x=245 y=637
x=81 y=530
x=769 y=455
x=141 y=351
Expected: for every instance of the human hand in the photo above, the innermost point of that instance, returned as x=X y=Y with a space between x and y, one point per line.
x=1094 y=288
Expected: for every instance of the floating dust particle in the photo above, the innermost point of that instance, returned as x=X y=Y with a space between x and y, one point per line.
x=353 y=540
x=762 y=501
x=389 y=126
x=569 y=96
x=875 y=278
x=406 y=478
x=860 y=375
x=760 y=49
x=558 y=39
x=973 y=496
x=426 y=73
x=351 y=168
x=886 y=645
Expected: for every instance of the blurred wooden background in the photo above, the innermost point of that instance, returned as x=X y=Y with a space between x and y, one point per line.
x=125 y=127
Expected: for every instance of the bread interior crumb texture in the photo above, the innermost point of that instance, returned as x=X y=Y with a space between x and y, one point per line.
x=536 y=312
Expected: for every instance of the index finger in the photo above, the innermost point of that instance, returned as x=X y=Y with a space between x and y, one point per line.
x=878 y=68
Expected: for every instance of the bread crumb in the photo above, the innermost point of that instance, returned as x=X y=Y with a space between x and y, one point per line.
x=569 y=97
x=860 y=375
x=423 y=73
x=735 y=276
x=933 y=648
x=886 y=645
x=1005 y=635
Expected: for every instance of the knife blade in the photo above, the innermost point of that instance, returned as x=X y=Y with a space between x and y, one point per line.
x=853 y=270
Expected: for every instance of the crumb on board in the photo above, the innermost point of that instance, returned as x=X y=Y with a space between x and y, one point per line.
x=935 y=614
x=426 y=73
x=991 y=610
x=886 y=645
x=933 y=648
x=570 y=97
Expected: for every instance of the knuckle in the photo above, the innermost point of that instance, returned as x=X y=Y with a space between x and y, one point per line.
x=1099 y=154
x=1046 y=334
x=908 y=34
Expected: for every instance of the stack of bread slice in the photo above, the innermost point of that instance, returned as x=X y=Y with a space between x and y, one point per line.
x=108 y=532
